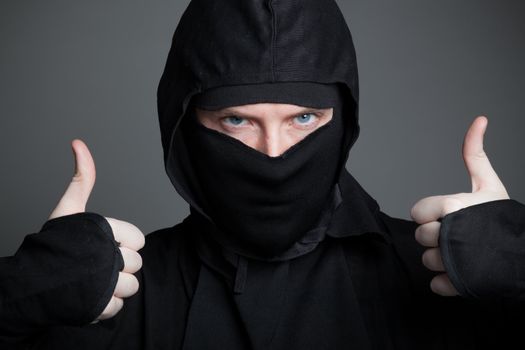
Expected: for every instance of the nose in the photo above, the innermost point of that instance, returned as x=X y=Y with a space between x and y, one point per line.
x=274 y=143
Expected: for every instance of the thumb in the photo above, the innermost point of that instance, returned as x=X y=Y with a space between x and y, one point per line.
x=482 y=175
x=77 y=194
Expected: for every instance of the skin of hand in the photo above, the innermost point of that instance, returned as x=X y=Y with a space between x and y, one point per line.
x=130 y=237
x=486 y=186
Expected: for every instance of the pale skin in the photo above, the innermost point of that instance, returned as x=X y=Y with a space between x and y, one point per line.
x=486 y=187
x=272 y=128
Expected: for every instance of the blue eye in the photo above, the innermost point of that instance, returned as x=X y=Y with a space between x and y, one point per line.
x=305 y=118
x=235 y=120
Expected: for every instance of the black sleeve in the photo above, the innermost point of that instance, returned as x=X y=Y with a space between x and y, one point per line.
x=464 y=321
x=483 y=251
x=63 y=275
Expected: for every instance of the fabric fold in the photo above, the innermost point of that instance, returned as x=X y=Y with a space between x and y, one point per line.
x=63 y=275
x=483 y=250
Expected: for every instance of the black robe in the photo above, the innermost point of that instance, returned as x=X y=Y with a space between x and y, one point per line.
x=363 y=286
x=376 y=293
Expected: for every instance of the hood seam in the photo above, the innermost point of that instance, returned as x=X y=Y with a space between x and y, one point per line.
x=274 y=34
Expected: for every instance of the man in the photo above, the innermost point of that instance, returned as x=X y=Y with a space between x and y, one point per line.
x=258 y=108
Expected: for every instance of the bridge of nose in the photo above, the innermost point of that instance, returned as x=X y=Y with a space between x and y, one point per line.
x=274 y=139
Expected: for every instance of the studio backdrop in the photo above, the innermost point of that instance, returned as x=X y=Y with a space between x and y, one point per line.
x=89 y=70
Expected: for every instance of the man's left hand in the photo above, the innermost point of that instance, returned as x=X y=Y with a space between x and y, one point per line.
x=486 y=186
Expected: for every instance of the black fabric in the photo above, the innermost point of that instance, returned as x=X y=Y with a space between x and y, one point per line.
x=389 y=282
x=281 y=42
x=307 y=94
x=379 y=259
x=472 y=242
x=295 y=42
x=63 y=275
x=262 y=205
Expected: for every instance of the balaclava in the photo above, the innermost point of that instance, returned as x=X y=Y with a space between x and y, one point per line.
x=262 y=205
x=301 y=300
x=229 y=48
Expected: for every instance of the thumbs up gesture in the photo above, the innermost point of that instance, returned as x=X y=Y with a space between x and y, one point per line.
x=486 y=186
x=129 y=236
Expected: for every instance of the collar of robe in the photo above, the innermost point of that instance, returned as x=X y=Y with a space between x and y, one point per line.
x=252 y=303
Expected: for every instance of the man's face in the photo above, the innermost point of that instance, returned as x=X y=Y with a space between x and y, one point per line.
x=270 y=128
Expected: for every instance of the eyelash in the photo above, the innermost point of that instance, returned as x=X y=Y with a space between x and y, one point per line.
x=304 y=126
x=309 y=123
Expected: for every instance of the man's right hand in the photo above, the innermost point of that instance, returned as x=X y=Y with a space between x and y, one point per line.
x=131 y=239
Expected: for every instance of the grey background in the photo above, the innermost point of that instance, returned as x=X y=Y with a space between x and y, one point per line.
x=89 y=69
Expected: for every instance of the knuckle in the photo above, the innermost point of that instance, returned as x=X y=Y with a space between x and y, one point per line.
x=138 y=261
x=418 y=234
x=113 y=307
x=138 y=237
x=120 y=284
x=414 y=212
x=134 y=227
x=424 y=229
x=427 y=234
x=441 y=285
x=134 y=284
x=118 y=304
x=431 y=259
x=124 y=279
x=438 y=285
x=142 y=240
x=130 y=235
x=451 y=205
x=435 y=285
x=130 y=284
x=132 y=260
x=425 y=258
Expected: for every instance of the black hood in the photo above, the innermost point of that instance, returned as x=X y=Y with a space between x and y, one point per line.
x=236 y=42
x=289 y=300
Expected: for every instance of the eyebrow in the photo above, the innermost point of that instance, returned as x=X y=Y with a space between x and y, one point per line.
x=231 y=110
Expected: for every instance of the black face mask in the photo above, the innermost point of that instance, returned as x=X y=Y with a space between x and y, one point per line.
x=262 y=205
